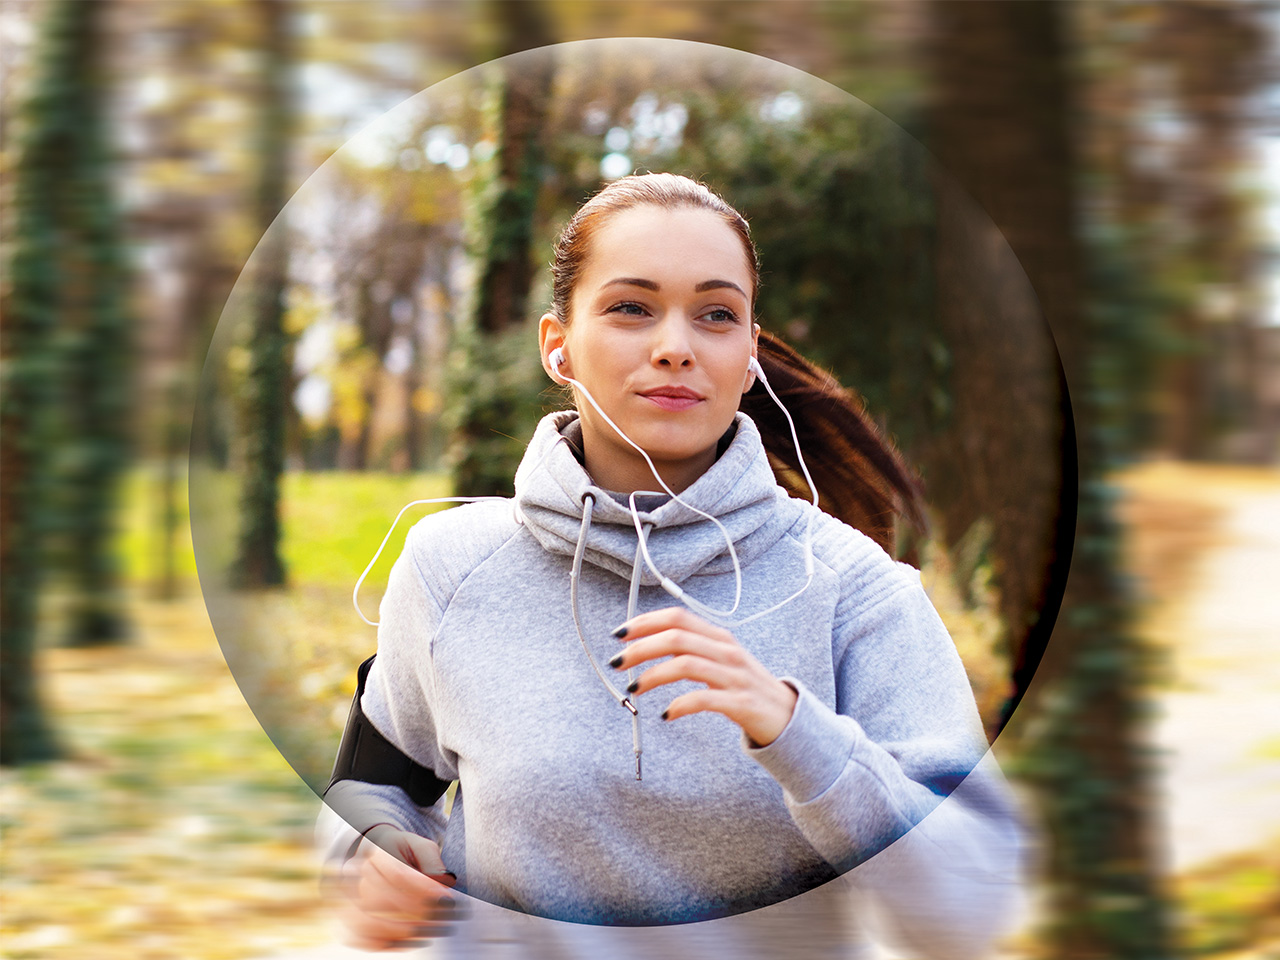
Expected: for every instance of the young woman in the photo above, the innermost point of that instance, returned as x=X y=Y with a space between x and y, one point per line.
x=676 y=707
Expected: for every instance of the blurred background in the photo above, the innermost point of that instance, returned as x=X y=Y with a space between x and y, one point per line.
x=1041 y=242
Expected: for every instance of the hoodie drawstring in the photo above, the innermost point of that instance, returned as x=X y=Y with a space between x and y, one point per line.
x=633 y=596
x=588 y=503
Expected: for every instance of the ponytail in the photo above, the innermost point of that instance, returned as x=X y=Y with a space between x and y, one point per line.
x=861 y=477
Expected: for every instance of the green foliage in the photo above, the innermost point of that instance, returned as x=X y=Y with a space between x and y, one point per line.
x=293 y=652
x=838 y=198
x=1128 y=311
x=496 y=394
x=842 y=217
x=1085 y=755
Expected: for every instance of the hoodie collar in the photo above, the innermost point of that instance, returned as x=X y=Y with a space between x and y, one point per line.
x=738 y=489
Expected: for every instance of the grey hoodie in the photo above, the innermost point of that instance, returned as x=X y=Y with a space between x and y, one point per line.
x=481 y=676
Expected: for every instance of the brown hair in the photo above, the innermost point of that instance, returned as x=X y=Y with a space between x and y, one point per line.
x=861 y=477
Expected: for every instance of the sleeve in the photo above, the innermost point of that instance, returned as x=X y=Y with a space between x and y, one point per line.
x=397 y=701
x=896 y=781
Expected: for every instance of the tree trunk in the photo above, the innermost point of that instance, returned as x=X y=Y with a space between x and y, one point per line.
x=258 y=562
x=489 y=451
x=1000 y=124
x=59 y=241
x=94 y=343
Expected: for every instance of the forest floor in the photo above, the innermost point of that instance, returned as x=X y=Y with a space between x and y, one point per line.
x=1204 y=551
x=174 y=830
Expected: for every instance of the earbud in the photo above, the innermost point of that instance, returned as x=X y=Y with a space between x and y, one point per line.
x=753 y=366
x=556 y=358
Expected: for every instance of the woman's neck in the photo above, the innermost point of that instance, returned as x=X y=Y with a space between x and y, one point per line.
x=630 y=472
x=634 y=474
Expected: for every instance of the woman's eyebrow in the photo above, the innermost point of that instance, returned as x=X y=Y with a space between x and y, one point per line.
x=702 y=287
x=634 y=282
x=718 y=285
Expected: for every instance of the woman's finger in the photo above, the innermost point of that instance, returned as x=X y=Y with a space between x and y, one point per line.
x=389 y=902
x=415 y=851
x=686 y=667
x=738 y=685
x=408 y=874
x=731 y=703
x=762 y=712
x=385 y=888
x=422 y=855
x=674 y=642
x=671 y=618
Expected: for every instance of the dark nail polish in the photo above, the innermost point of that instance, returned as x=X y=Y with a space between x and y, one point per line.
x=664 y=715
x=620 y=632
x=445 y=902
x=616 y=662
x=633 y=686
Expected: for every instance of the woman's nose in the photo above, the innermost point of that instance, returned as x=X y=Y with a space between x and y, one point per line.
x=672 y=347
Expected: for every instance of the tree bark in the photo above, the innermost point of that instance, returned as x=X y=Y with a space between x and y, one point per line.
x=57 y=184
x=1000 y=123
x=94 y=345
x=258 y=562
x=488 y=455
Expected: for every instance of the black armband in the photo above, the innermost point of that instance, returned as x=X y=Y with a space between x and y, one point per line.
x=368 y=756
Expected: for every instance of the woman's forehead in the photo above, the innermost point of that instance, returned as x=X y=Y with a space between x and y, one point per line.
x=680 y=246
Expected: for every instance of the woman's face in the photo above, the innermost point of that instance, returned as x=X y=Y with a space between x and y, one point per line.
x=660 y=334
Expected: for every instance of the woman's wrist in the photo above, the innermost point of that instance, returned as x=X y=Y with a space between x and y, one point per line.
x=784 y=699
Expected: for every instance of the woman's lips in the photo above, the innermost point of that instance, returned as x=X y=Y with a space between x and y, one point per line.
x=673 y=399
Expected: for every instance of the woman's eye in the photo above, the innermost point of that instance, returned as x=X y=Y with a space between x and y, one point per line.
x=721 y=315
x=629 y=308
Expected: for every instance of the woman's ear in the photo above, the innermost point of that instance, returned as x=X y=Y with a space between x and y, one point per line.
x=750 y=380
x=551 y=342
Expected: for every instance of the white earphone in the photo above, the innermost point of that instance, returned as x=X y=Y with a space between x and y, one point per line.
x=555 y=360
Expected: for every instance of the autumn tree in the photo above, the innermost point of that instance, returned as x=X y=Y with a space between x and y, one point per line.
x=491 y=408
x=184 y=156
x=1001 y=123
x=258 y=562
x=27 y=338
x=86 y=268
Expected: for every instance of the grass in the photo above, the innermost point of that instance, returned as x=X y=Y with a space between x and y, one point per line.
x=333 y=523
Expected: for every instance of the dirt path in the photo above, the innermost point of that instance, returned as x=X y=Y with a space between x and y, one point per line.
x=1219 y=723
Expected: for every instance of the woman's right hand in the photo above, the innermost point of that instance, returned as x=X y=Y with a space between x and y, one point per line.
x=396 y=891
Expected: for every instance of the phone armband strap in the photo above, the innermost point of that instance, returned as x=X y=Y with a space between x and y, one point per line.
x=368 y=756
